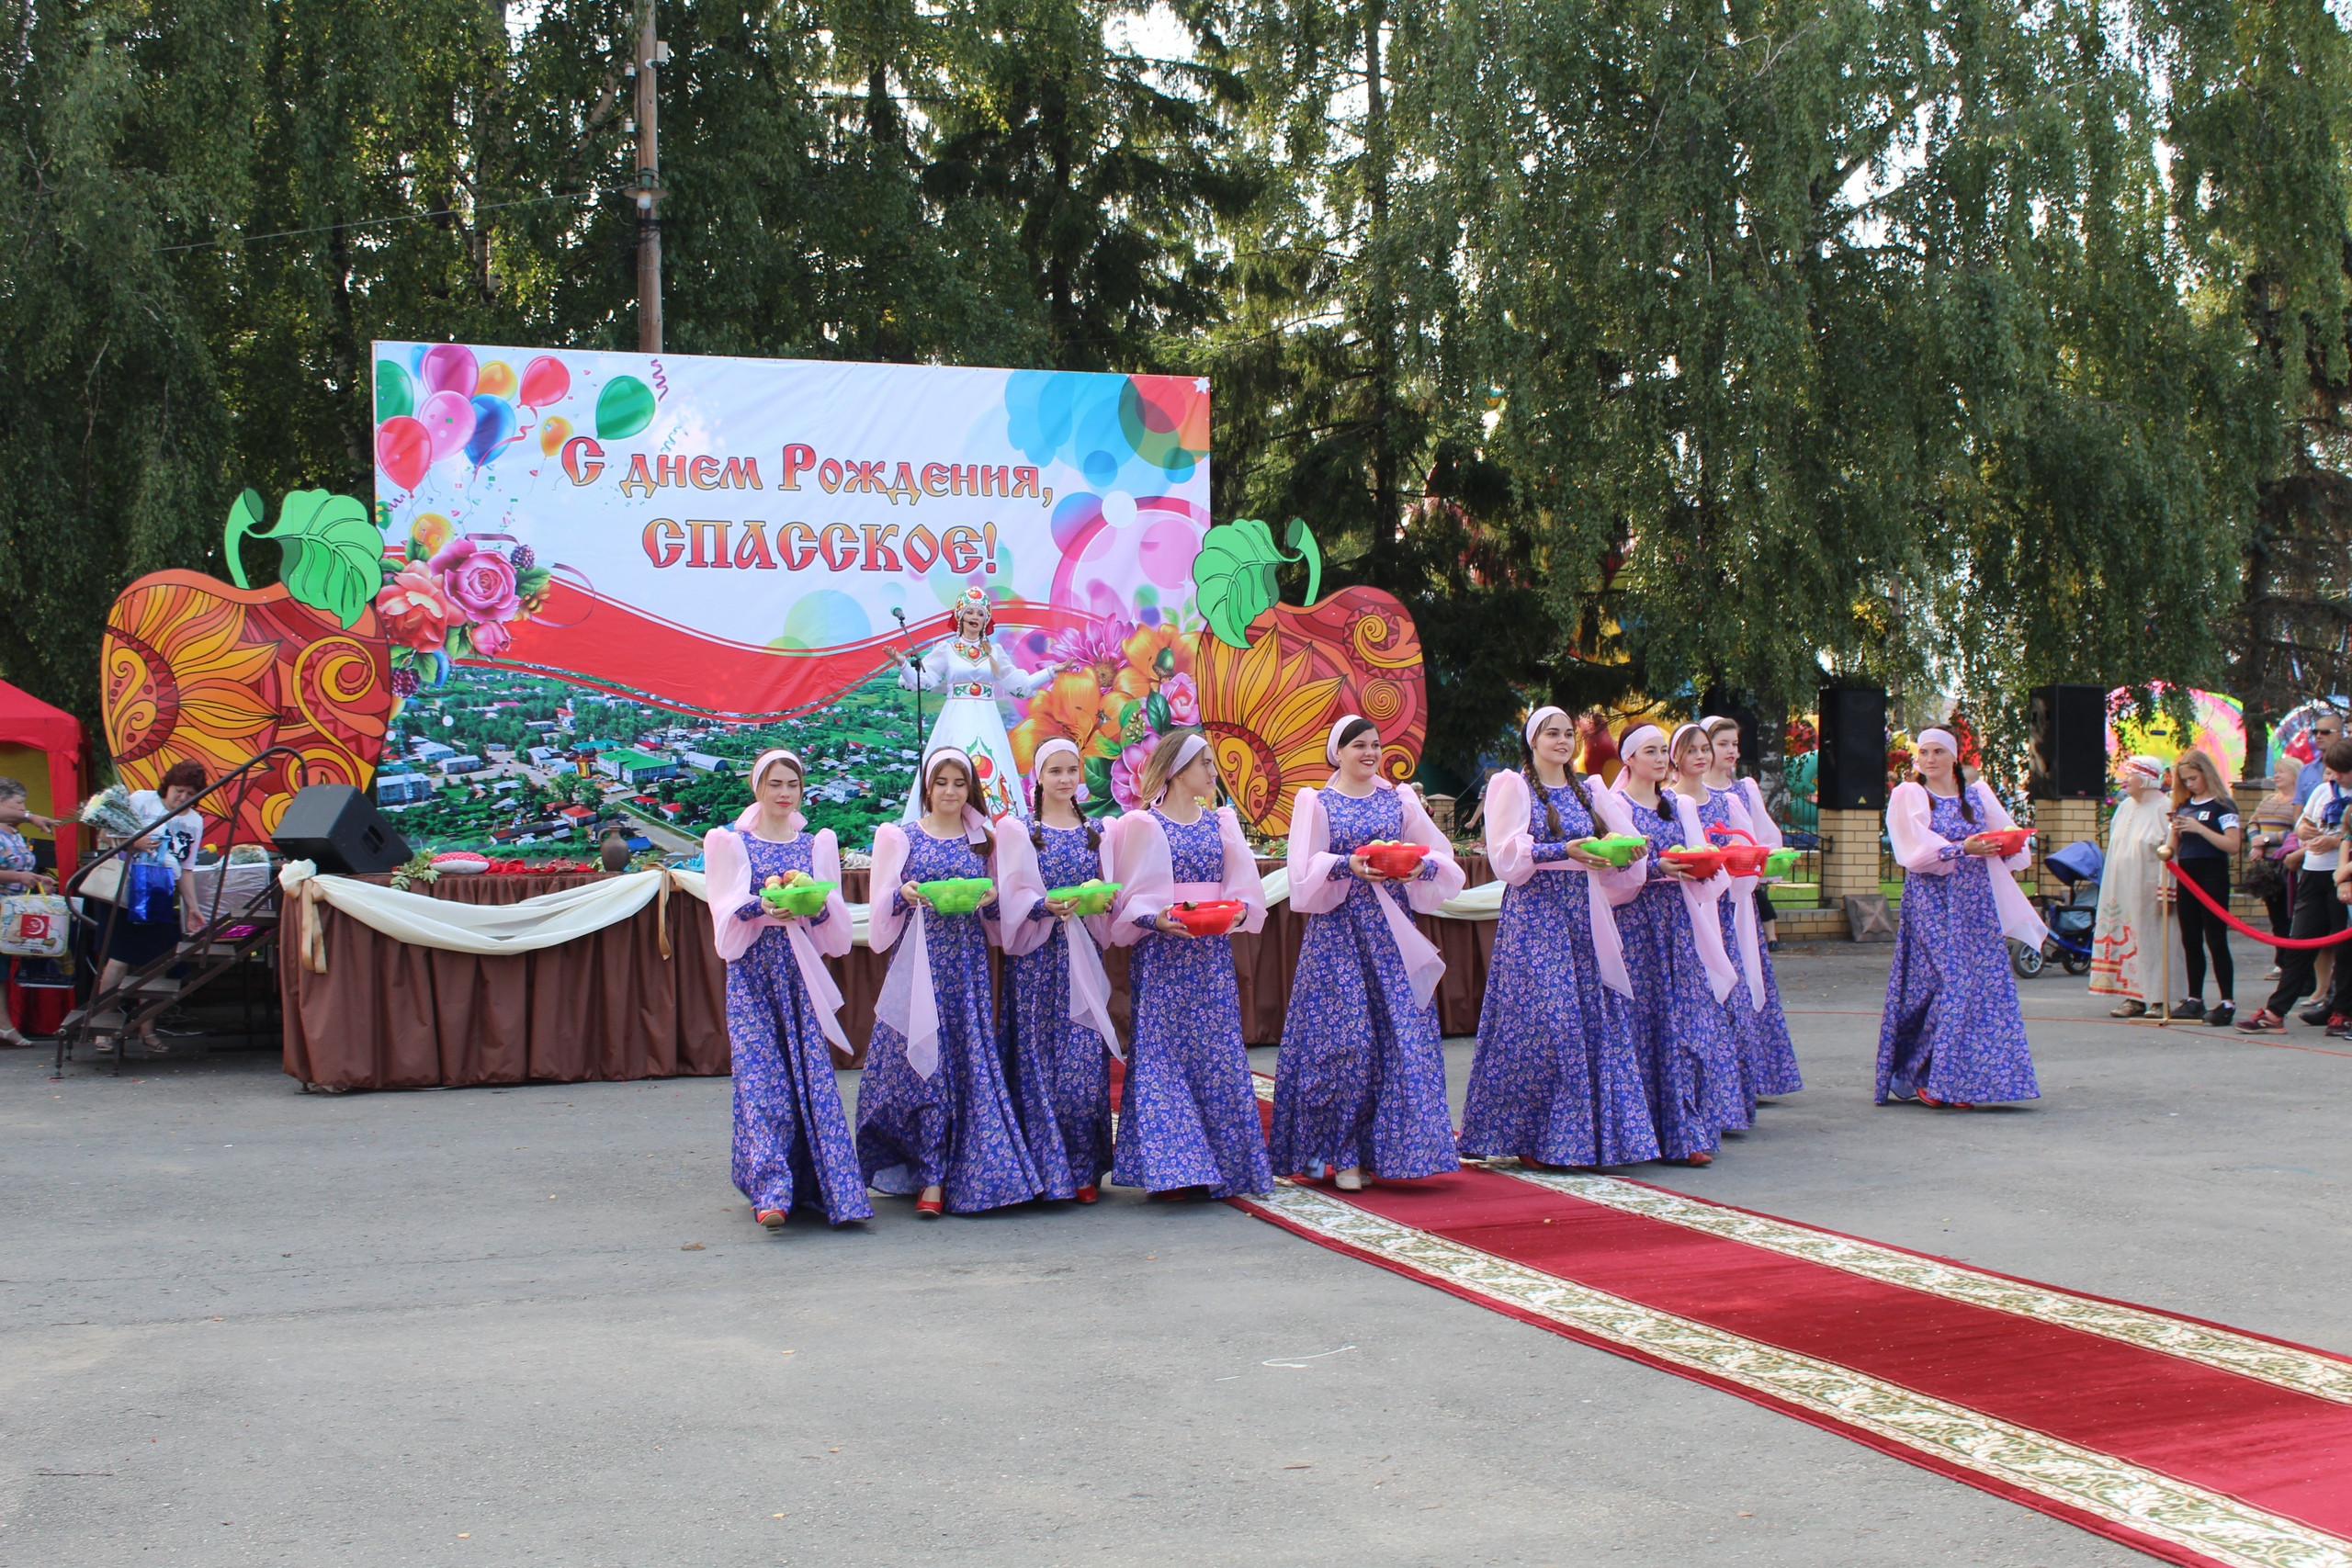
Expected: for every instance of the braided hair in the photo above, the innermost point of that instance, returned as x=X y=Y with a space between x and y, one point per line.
x=1038 y=820
x=1535 y=787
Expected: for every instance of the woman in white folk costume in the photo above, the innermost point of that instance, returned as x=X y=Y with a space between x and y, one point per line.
x=792 y=1144
x=1767 y=1059
x=1556 y=1080
x=1188 y=1116
x=2126 y=962
x=934 y=1116
x=1055 y=1023
x=1360 y=1085
x=973 y=673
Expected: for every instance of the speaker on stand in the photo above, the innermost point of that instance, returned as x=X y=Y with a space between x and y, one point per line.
x=1852 y=769
x=340 y=829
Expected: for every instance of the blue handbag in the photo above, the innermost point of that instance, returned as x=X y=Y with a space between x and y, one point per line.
x=148 y=893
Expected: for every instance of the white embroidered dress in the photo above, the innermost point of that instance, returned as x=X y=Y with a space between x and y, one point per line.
x=973 y=677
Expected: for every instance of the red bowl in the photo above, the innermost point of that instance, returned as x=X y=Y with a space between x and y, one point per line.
x=1745 y=860
x=1700 y=863
x=1394 y=860
x=2010 y=840
x=1214 y=918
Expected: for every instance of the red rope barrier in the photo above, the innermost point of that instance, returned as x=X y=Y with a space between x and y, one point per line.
x=2240 y=926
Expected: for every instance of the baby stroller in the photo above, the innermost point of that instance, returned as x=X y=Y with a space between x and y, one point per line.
x=2072 y=920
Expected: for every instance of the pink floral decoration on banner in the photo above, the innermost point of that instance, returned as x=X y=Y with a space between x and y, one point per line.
x=415 y=610
x=479 y=582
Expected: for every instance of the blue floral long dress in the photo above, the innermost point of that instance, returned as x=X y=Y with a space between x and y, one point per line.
x=1768 y=1058
x=792 y=1143
x=1060 y=1068
x=1681 y=1034
x=957 y=1129
x=1188 y=1116
x=1361 y=1080
x=1951 y=1024
x=1555 y=1078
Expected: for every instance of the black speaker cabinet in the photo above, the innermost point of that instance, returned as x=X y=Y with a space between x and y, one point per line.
x=2069 y=742
x=1853 y=774
x=339 y=827
x=1720 y=703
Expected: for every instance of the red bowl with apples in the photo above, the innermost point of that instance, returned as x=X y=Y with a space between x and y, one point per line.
x=1744 y=859
x=1700 y=863
x=1393 y=857
x=1213 y=917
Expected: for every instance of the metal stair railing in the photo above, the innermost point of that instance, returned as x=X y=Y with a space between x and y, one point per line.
x=226 y=938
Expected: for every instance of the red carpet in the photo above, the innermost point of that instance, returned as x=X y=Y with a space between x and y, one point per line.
x=2191 y=1442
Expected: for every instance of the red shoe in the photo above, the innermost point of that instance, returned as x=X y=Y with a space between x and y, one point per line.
x=1088 y=1195
x=2262 y=1021
x=930 y=1208
x=1699 y=1160
x=1929 y=1100
x=772 y=1218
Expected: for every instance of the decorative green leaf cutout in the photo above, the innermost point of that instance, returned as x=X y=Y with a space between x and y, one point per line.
x=333 y=551
x=1233 y=575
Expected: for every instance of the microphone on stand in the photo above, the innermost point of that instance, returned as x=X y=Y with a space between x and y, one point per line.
x=902 y=615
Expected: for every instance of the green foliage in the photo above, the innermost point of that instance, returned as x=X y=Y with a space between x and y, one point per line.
x=333 y=558
x=1232 y=576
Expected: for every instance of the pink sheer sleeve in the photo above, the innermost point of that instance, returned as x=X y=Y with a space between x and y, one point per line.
x=1917 y=846
x=1442 y=876
x=1319 y=880
x=1020 y=884
x=891 y=852
x=1138 y=860
x=1620 y=884
x=1241 y=878
x=1760 y=823
x=1997 y=819
x=832 y=938
x=2020 y=923
x=1510 y=848
x=726 y=887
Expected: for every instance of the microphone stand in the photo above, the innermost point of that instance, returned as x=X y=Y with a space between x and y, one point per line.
x=901 y=614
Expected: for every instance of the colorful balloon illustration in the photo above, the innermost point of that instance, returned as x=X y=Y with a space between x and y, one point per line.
x=403 y=450
x=496 y=380
x=449 y=418
x=395 y=393
x=450 y=367
x=545 y=382
x=554 y=431
x=623 y=408
x=493 y=427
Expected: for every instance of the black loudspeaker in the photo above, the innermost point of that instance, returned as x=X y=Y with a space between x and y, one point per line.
x=2069 y=743
x=1853 y=774
x=339 y=827
x=1719 y=704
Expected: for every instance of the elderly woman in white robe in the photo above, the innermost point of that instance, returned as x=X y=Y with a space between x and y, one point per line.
x=2126 y=961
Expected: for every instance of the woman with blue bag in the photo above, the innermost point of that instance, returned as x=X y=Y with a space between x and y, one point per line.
x=146 y=924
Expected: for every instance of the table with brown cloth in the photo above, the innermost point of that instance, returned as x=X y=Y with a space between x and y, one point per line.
x=390 y=1015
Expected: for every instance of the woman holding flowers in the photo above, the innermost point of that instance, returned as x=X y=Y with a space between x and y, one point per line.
x=1055 y=1029
x=934 y=1117
x=1360 y=1085
x=792 y=1143
x=1189 y=1117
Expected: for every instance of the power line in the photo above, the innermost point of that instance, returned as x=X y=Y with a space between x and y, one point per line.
x=380 y=222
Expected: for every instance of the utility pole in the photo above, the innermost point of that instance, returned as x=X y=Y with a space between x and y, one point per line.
x=651 y=54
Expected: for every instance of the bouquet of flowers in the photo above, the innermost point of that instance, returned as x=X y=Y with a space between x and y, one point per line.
x=111 y=813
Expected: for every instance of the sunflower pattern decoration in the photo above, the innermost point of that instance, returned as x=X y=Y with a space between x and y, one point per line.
x=1265 y=680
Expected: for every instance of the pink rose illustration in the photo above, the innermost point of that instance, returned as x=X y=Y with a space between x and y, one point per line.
x=489 y=638
x=414 y=610
x=479 y=582
x=1127 y=772
x=1183 y=699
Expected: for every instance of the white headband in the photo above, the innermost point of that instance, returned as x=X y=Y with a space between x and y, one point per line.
x=1708 y=721
x=1938 y=737
x=1679 y=731
x=1631 y=741
x=930 y=763
x=2145 y=765
x=1332 y=743
x=1058 y=743
x=770 y=758
x=1193 y=746
x=1535 y=721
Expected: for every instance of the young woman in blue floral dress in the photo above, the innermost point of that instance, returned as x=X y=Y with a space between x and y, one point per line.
x=1188 y=1116
x=1360 y=1085
x=1556 y=1081
x=1951 y=1034
x=934 y=1116
x=792 y=1143
x=1768 y=1058
x=1056 y=1025
x=1674 y=955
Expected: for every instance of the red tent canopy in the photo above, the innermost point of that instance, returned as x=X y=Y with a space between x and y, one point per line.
x=25 y=720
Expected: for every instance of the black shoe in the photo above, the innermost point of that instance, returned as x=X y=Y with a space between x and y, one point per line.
x=2222 y=1016
x=2193 y=1008
x=2316 y=1017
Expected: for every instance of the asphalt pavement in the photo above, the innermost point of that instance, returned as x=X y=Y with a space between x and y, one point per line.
x=244 y=1325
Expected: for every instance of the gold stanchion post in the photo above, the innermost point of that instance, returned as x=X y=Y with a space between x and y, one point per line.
x=2165 y=893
